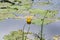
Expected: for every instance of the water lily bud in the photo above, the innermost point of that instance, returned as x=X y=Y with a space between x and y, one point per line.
x=28 y=20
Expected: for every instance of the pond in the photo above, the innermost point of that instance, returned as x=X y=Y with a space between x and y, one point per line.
x=49 y=30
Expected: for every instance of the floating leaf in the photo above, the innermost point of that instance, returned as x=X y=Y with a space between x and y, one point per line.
x=39 y=21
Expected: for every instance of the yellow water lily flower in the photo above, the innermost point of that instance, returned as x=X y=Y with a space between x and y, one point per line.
x=28 y=20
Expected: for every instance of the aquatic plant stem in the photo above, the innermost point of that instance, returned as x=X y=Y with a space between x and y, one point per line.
x=27 y=31
x=42 y=26
x=23 y=31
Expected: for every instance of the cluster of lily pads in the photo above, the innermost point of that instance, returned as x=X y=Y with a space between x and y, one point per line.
x=8 y=10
